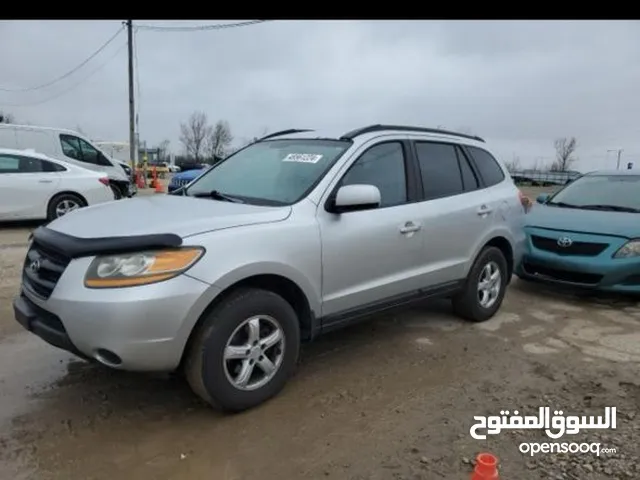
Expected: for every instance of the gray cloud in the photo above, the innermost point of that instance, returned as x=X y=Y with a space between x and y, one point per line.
x=519 y=84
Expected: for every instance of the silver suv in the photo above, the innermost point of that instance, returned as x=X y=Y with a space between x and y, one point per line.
x=295 y=235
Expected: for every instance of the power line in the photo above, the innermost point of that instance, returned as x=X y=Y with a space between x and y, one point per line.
x=70 y=72
x=193 y=28
x=76 y=85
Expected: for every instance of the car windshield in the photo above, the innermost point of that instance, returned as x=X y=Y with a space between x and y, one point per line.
x=603 y=192
x=274 y=172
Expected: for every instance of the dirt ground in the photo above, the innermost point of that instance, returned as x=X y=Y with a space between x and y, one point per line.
x=393 y=398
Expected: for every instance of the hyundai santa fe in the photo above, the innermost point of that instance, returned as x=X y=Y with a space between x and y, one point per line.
x=295 y=235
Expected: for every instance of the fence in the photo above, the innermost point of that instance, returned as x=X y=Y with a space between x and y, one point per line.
x=543 y=179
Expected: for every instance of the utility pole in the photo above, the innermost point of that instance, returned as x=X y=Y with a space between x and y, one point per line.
x=132 y=107
x=619 y=150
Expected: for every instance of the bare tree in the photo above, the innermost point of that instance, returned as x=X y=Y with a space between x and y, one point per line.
x=7 y=117
x=194 y=134
x=163 y=149
x=220 y=139
x=513 y=165
x=565 y=149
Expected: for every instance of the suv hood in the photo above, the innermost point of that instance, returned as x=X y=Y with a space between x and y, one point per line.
x=183 y=216
x=620 y=224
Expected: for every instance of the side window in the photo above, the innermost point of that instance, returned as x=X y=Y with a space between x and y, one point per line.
x=71 y=147
x=488 y=167
x=52 y=167
x=469 y=179
x=30 y=165
x=383 y=166
x=439 y=169
x=89 y=153
x=9 y=164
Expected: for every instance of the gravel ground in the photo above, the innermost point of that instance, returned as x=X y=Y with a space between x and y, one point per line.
x=393 y=398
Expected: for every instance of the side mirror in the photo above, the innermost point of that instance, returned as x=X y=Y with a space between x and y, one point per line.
x=543 y=197
x=352 y=198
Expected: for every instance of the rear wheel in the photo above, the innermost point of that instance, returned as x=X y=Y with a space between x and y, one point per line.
x=485 y=287
x=245 y=350
x=62 y=204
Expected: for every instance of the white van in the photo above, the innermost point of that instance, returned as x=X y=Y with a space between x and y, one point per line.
x=68 y=146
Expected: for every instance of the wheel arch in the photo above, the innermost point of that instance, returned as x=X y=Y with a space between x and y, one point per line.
x=65 y=192
x=278 y=283
x=504 y=245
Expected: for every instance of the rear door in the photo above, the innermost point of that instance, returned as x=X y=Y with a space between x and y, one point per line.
x=454 y=211
x=26 y=185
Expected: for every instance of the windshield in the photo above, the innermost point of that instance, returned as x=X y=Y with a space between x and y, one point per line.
x=621 y=191
x=275 y=172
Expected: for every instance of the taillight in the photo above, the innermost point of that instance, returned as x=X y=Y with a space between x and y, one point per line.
x=104 y=181
x=524 y=201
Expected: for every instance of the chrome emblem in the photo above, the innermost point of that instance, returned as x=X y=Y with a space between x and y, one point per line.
x=565 y=242
x=35 y=266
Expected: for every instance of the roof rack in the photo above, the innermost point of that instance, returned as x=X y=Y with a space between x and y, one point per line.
x=285 y=132
x=404 y=128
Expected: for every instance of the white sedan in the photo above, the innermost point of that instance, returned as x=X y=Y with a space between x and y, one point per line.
x=34 y=186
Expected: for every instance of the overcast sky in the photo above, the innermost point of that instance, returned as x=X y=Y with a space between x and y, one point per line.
x=518 y=84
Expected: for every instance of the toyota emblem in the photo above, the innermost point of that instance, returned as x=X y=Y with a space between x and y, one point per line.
x=35 y=266
x=565 y=242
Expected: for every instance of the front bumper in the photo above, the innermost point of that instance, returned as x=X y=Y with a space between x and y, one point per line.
x=599 y=272
x=140 y=328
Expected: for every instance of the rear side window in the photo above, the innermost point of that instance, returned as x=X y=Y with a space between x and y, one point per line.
x=52 y=167
x=439 y=170
x=488 y=166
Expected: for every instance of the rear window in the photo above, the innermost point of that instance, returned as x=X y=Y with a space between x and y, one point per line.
x=488 y=166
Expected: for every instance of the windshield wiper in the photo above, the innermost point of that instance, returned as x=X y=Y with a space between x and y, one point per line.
x=613 y=208
x=216 y=195
x=562 y=204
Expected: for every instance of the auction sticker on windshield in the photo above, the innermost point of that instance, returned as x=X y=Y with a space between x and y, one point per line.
x=302 y=158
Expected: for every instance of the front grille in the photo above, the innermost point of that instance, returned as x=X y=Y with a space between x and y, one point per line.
x=562 y=275
x=42 y=269
x=585 y=249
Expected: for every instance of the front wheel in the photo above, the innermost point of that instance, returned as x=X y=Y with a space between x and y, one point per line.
x=245 y=350
x=117 y=193
x=485 y=287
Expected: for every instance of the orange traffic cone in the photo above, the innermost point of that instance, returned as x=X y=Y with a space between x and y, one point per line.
x=486 y=467
x=139 y=180
x=158 y=186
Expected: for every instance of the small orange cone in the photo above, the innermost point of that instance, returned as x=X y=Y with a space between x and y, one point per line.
x=158 y=186
x=486 y=467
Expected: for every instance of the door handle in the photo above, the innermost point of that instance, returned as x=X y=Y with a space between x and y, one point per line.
x=484 y=210
x=45 y=181
x=410 y=227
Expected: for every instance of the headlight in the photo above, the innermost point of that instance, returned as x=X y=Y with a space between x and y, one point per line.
x=140 y=268
x=629 y=249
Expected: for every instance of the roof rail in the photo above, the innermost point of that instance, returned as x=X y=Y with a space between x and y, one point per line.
x=404 y=128
x=284 y=132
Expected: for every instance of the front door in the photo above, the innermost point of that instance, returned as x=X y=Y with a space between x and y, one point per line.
x=370 y=257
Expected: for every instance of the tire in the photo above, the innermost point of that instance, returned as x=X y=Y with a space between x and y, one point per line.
x=212 y=377
x=117 y=193
x=64 y=201
x=467 y=304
